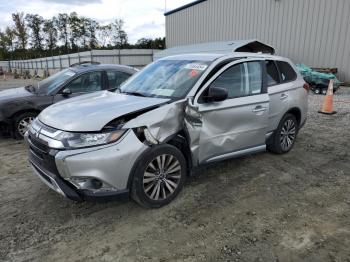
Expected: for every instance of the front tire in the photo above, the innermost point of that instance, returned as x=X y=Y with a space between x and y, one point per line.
x=159 y=176
x=22 y=123
x=284 y=137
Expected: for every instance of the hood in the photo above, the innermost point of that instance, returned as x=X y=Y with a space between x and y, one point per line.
x=93 y=111
x=14 y=94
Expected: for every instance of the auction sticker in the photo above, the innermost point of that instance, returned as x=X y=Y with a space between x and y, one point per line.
x=193 y=66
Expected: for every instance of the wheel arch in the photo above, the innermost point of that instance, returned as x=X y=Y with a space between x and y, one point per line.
x=180 y=141
x=22 y=111
x=295 y=111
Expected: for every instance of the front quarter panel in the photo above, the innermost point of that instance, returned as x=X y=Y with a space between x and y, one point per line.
x=37 y=103
x=162 y=122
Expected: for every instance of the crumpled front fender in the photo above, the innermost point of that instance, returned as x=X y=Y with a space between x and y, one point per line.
x=161 y=122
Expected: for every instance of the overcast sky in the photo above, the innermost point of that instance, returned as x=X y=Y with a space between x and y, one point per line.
x=143 y=18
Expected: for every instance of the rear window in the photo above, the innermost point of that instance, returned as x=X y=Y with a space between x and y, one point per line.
x=272 y=73
x=287 y=73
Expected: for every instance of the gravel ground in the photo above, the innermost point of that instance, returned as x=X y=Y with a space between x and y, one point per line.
x=265 y=207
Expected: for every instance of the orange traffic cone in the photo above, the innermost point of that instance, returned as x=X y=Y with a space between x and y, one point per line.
x=327 y=107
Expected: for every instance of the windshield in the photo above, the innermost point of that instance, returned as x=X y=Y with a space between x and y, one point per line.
x=165 y=78
x=51 y=83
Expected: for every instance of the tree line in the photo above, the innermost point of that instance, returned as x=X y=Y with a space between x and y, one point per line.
x=32 y=36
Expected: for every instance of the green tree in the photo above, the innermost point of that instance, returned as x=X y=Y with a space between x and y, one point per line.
x=119 y=36
x=50 y=31
x=20 y=30
x=62 y=28
x=75 y=29
x=35 y=23
x=148 y=43
x=92 y=27
x=2 y=46
x=10 y=38
x=104 y=34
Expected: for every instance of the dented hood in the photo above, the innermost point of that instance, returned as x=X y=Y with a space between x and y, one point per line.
x=93 y=111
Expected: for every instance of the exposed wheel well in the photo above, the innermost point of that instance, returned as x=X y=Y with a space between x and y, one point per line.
x=25 y=111
x=181 y=143
x=297 y=113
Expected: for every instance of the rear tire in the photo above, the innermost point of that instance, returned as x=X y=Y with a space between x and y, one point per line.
x=21 y=124
x=159 y=176
x=317 y=91
x=284 y=137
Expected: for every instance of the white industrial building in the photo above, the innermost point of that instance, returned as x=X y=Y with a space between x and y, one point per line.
x=314 y=32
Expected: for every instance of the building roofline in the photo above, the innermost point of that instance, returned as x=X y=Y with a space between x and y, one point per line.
x=184 y=7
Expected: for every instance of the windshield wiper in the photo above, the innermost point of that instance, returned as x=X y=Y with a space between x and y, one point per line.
x=133 y=93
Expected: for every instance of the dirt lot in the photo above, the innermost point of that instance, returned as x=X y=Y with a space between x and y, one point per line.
x=294 y=207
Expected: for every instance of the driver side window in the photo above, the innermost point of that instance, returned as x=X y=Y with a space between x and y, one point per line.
x=241 y=80
x=88 y=82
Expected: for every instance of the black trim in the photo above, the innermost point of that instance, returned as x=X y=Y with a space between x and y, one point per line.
x=79 y=195
x=64 y=186
x=120 y=195
x=184 y=7
x=264 y=89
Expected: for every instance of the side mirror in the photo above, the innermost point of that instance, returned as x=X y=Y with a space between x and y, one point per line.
x=66 y=92
x=217 y=94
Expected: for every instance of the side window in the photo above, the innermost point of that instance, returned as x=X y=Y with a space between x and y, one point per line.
x=116 y=78
x=88 y=82
x=287 y=72
x=233 y=80
x=241 y=80
x=272 y=73
x=254 y=78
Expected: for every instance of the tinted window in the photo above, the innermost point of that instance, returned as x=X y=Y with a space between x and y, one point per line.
x=272 y=73
x=88 y=82
x=115 y=78
x=241 y=80
x=286 y=71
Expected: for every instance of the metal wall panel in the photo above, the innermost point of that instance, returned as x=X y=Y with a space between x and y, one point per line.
x=131 y=57
x=315 y=32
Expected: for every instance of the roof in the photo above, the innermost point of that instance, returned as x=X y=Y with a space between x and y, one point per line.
x=90 y=67
x=212 y=57
x=184 y=7
x=226 y=47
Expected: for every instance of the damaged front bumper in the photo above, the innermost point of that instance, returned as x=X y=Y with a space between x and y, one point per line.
x=96 y=173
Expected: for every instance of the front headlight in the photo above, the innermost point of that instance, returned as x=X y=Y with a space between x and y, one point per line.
x=80 y=140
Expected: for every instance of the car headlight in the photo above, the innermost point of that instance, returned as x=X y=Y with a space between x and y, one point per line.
x=80 y=140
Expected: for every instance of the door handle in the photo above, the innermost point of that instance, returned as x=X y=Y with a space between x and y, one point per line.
x=284 y=96
x=259 y=109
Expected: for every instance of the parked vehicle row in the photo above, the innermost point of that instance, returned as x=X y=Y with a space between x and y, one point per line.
x=144 y=138
x=19 y=106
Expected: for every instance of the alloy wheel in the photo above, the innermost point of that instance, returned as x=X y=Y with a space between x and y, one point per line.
x=24 y=124
x=161 y=177
x=288 y=134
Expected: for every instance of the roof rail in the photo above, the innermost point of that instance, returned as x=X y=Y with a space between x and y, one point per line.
x=85 y=63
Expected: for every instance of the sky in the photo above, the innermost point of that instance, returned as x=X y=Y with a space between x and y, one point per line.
x=143 y=18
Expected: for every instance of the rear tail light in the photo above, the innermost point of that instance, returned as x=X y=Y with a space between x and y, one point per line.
x=306 y=86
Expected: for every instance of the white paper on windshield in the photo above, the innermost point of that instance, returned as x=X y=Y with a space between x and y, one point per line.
x=193 y=66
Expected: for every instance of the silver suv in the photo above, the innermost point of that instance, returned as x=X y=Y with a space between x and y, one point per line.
x=176 y=114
